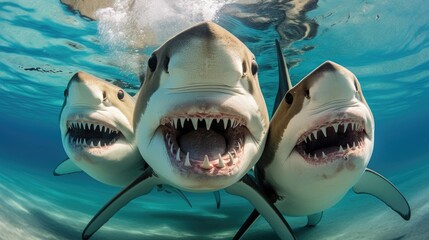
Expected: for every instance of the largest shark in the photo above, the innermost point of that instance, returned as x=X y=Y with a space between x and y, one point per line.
x=320 y=142
x=201 y=122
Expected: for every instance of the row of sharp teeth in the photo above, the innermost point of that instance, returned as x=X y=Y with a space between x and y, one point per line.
x=206 y=162
x=90 y=143
x=340 y=150
x=207 y=120
x=313 y=135
x=91 y=126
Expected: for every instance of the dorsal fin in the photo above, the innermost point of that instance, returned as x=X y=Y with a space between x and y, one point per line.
x=284 y=79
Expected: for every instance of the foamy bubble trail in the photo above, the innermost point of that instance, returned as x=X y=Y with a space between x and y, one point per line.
x=132 y=27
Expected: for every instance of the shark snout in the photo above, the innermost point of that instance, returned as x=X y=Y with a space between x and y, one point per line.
x=82 y=92
x=335 y=84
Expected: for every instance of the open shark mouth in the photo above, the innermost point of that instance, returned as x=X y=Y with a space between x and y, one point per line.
x=204 y=143
x=91 y=135
x=332 y=141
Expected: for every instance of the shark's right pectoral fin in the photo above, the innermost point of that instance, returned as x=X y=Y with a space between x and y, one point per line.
x=248 y=189
x=141 y=186
x=376 y=185
x=66 y=167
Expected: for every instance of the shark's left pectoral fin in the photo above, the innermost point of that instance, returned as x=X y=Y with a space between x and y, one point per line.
x=314 y=219
x=66 y=167
x=378 y=186
x=141 y=186
x=248 y=189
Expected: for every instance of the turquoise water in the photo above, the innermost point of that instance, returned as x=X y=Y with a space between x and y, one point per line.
x=43 y=43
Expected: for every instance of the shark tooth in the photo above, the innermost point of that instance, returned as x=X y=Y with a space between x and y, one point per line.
x=335 y=125
x=341 y=149
x=324 y=131
x=220 y=163
x=208 y=123
x=187 y=162
x=235 y=152
x=182 y=121
x=345 y=126
x=195 y=123
x=225 y=123
x=171 y=149
x=323 y=154
x=178 y=155
x=231 y=158
x=206 y=164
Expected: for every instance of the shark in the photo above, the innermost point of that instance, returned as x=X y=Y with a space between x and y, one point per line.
x=97 y=132
x=319 y=145
x=200 y=122
x=98 y=135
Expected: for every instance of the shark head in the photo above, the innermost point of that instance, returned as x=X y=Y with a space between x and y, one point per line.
x=321 y=136
x=200 y=118
x=96 y=128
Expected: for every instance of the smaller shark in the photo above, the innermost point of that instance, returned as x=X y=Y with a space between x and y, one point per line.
x=320 y=142
x=97 y=133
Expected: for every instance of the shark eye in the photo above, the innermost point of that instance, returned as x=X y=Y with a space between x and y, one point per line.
x=254 y=67
x=66 y=93
x=121 y=94
x=153 y=61
x=289 y=98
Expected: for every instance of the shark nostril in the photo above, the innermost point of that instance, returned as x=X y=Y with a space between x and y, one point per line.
x=104 y=95
x=307 y=93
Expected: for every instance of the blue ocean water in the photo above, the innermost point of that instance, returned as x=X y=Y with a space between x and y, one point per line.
x=43 y=43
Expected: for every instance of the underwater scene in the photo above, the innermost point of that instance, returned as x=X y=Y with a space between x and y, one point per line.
x=158 y=73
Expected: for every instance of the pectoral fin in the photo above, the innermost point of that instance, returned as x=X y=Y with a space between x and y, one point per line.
x=170 y=189
x=141 y=186
x=314 y=219
x=376 y=185
x=247 y=224
x=248 y=189
x=66 y=167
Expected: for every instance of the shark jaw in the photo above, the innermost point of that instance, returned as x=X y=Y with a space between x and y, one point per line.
x=92 y=136
x=343 y=138
x=202 y=150
x=203 y=143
